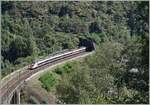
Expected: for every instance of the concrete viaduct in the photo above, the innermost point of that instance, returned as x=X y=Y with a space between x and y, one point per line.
x=12 y=84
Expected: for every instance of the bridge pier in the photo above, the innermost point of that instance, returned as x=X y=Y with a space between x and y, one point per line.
x=10 y=92
x=19 y=97
x=15 y=98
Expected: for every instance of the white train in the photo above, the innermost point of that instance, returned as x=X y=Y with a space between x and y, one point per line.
x=56 y=58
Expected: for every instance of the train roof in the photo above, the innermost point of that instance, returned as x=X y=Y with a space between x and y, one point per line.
x=57 y=55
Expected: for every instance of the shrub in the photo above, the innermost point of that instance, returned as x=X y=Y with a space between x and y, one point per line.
x=48 y=81
x=63 y=70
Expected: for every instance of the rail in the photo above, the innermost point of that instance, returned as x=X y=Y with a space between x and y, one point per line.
x=53 y=54
x=10 y=85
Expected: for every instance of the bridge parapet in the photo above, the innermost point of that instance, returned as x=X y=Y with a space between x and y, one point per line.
x=6 y=79
x=8 y=97
x=17 y=80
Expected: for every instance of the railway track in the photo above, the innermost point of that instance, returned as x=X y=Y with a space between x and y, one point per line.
x=6 y=89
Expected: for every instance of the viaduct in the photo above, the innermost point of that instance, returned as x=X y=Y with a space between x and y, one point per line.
x=12 y=84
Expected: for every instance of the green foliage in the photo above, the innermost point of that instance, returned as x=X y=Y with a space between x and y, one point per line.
x=120 y=31
x=20 y=47
x=90 y=78
x=48 y=81
x=95 y=27
x=67 y=68
x=72 y=25
x=104 y=78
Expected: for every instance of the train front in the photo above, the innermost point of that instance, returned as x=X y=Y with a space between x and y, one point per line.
x=32 y=66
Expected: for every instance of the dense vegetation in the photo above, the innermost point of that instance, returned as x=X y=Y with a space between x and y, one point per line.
x=50 y=79
x=104 y=78
x=116 y=73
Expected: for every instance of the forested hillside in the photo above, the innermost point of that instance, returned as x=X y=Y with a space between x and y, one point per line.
x=120 y=31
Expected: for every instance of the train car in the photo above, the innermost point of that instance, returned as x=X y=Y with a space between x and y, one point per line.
x=56 y=58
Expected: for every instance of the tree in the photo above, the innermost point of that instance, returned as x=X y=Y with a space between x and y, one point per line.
x=91 y=82
x=95 y=27
x=20 y=47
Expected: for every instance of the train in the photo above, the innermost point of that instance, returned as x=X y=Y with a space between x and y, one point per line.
x=87 y=48
x=56 y=58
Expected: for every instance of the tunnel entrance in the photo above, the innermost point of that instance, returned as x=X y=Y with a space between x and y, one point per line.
x=88 y=44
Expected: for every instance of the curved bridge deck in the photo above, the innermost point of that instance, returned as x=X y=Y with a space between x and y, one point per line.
x=8 y=87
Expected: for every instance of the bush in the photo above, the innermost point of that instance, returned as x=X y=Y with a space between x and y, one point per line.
x=63 y=70
x=59 y=71
x=48 y=81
